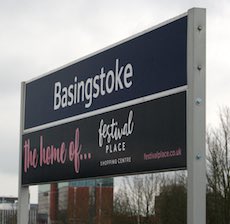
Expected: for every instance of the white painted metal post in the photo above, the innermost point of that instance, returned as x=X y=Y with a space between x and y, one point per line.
x=23 y=192
x=196 y=165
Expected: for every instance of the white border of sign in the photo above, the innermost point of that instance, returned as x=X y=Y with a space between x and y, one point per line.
x=196 y=46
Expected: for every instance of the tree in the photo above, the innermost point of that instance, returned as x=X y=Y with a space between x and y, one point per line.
x=218 y=171
x=134 y=201
x=171 y=201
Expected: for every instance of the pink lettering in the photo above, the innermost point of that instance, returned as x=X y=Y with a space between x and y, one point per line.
x=30 y=156
x=50 y=154
x=74 y=151
x=63 y=153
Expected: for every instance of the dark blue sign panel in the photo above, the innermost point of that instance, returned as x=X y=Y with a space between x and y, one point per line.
x=150 y=136
x=148 y=64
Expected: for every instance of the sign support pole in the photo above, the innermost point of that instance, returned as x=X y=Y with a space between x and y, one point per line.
x=23 y=192
x=196 y=165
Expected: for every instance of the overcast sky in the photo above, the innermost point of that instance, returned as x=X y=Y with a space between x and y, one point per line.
x=38 y=36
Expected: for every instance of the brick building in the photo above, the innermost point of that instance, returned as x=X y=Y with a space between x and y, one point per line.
x=87 y=201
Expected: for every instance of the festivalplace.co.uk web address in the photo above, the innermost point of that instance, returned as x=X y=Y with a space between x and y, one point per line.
x=163 y=154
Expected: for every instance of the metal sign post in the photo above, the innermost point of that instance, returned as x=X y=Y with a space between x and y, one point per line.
x=196 y=198
x=23 y=191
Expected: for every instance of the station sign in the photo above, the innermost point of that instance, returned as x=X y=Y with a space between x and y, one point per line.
x=119 y=111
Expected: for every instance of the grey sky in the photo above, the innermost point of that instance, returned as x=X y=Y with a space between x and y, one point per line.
x=38 y=36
